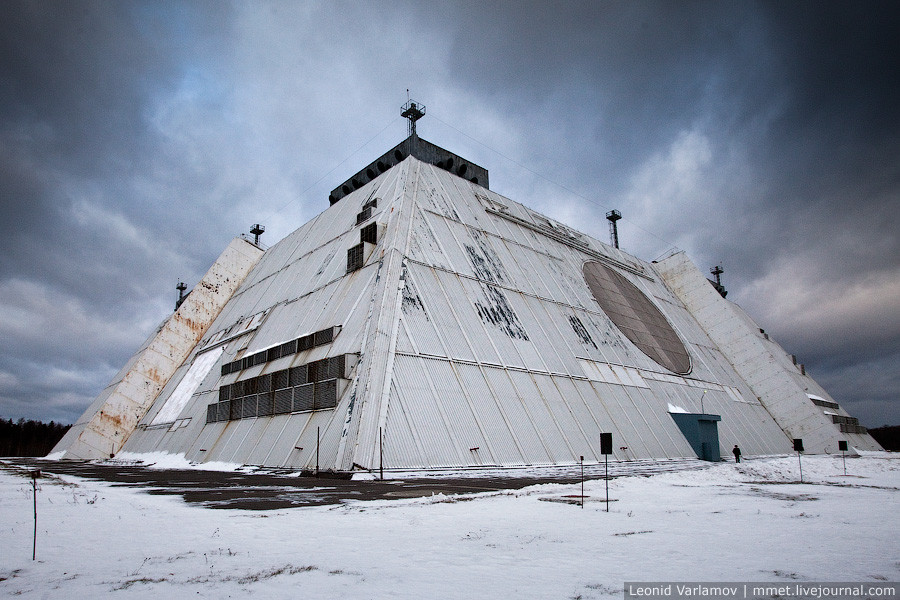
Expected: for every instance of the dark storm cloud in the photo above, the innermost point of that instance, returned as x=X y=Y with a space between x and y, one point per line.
x=137 y=138
x=78 y=82
x=761 y=135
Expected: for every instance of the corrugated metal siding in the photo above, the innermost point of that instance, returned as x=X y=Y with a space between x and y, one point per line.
x=500 y=438
x=420 y=403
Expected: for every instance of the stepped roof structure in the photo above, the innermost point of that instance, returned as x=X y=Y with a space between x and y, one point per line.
x=425 y=321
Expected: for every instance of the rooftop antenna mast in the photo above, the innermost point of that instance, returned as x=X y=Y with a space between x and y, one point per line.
x=257 y=231
x=614 y=216
x=180 y=287
x=413 y=112
x=717 y=273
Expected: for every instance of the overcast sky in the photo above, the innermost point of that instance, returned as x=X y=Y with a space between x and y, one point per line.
x=136 y=139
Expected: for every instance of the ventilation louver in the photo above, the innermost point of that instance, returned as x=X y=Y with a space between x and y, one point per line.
x=313 y=386
x=319 y=338
x=355 y=257
x=369 y=234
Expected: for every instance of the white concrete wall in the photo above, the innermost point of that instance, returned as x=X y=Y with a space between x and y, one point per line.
x=761 y=362
x=110 y=419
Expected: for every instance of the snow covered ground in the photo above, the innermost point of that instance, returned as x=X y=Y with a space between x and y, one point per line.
x=747 y=522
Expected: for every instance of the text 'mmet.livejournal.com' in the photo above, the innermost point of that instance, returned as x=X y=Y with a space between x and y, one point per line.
x=752 y=590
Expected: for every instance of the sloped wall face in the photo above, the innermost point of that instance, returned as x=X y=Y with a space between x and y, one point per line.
x=800 y=406
x=111 y=419
x=281 y=364
x=505 y=357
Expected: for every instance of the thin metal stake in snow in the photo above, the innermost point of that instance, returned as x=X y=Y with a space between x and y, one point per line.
x=582 y=482
x=842 y=446
x=34 y=477
x=607 y=482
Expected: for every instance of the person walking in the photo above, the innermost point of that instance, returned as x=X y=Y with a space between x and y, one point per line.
x=737 y=454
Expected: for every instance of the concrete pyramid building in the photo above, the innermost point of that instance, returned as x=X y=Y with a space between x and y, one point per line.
x=424 y=321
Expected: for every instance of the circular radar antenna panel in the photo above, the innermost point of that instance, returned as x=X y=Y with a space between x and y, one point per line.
x=637 y=317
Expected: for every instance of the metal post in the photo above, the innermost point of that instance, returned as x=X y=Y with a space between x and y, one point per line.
x=801 y=466
x=317 y=451
x=582 y=482
x=381 y=452
x=844 y=458
x=607 y=482
x=34 y=475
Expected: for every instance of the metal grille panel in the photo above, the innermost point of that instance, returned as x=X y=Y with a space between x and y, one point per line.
x=355 y=257
x=303 y=397
x=280 y=380
x=364 y=215
x=235 y=411
x=325 y=394
x=325 y=336
x=283 y=401
x=248 y=408
x=224 y=410
x=265 y=404
x=298 y=375
x=369 y=233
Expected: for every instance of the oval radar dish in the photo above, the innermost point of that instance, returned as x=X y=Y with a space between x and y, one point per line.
x=637 y=317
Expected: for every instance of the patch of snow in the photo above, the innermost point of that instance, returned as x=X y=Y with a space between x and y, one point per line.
x=676 y=409
x=55 y=455
x=753 y=520
x=166 y=460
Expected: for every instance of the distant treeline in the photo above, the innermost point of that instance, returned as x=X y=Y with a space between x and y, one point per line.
x=29 y=438
x=888 y=436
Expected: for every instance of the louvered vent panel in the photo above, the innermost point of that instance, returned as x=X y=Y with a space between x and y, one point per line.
x=235 y=412
x=280 y=379
x=326 y=394
x=355 y=257
x=325 y=336
x=369 y=233
x=303 y=397
x=248 y=408
x=224 y=411
x=305 y=343
x=284 y=401
x=265 y=404
x=364 y=215
x=299 y=375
